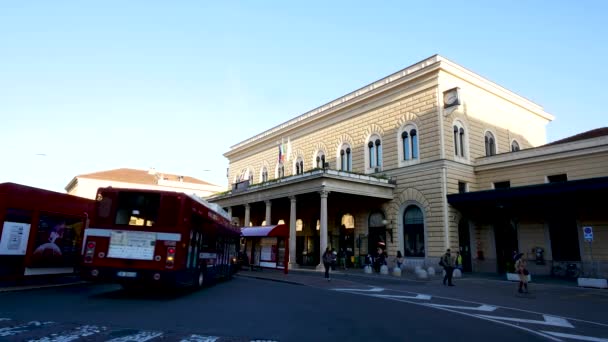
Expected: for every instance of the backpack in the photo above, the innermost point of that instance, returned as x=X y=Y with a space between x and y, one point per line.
x=441 y=263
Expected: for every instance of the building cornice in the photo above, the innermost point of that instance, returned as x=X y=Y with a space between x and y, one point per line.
x=407 y=74
x=543 y=153
x=473 y=78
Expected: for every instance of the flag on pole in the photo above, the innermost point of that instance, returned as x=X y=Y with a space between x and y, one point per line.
x=288 y=149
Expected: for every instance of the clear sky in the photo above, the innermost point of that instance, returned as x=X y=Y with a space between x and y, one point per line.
x=173 y=84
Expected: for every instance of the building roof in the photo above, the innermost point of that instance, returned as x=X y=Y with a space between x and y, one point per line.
x=150 y=177
x=594 y=133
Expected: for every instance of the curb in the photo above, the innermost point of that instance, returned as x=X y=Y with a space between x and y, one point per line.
x=38 y=287
x=271 y=279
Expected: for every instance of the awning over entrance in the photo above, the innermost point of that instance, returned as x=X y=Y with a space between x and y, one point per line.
x=279 y=230
x=586 y=194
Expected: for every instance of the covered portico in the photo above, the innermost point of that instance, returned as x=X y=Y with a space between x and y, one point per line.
x=546 y=216
x=315 y=199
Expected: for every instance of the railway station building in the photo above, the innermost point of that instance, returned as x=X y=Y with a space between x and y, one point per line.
x=431 y=157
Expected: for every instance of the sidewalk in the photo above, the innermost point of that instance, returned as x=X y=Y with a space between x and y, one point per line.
x=311 y=277
x=39 y=282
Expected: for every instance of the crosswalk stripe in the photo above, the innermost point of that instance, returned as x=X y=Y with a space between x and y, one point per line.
x=200 y=338
x=576 y=337
x=18 y=329
x=71 y=335
x=139 y=337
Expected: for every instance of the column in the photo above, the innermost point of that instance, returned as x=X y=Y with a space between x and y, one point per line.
x=268 y=206
x=292 y=233
x=323 y=231
x=230 y=213
x=247 y=215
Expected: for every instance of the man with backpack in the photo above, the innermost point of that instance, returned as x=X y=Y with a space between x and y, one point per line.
x=448 y=266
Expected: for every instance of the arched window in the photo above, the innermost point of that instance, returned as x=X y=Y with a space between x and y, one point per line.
x=320 y=160
x=348 y=221
x=374 y=153
x=490 y=144
x=346 y=159
x=514 y=146
x=459 y=140
x=264 y=175
x=413 y=232
x=408 y=147
x=251 y=177
x=299 y=166
x=280 y=170
x=299 y=225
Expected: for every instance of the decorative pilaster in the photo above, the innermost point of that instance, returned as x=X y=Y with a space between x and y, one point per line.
x=323 y=232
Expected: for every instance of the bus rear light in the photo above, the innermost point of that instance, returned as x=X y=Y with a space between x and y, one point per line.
x=170 y=257
x=101 y=254
x=90 y=252
x=156 y=276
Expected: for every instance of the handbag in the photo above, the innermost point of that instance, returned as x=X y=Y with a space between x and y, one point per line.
x=526 y=272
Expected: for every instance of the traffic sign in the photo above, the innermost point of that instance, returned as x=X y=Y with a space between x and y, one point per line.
x=588 y=233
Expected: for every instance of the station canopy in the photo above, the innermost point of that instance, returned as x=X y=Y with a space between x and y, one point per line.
x=279 y=230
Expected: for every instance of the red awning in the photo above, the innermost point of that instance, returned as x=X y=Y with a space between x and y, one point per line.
x=279 y=230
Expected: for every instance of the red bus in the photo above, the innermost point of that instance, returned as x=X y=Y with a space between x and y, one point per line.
x=40 y=231
x=147 y=237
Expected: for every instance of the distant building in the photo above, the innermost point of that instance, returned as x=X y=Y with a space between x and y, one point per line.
x=86 y=185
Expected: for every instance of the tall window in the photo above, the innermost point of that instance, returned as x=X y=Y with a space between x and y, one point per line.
x=514 y=146
x=409 y=143
x=374 y=148
x=413 y=232
x=320 y=160
x=346 y=159
x=490 y=143
x=280 y=170
x=250 y=177
x=299 y=166
x=264 y=174
x=459 y=140
x=299 y=225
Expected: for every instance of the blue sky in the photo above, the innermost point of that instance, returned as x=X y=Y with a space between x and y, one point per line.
x=172 y=85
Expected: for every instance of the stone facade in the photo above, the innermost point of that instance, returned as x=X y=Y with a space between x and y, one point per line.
x=445 y=162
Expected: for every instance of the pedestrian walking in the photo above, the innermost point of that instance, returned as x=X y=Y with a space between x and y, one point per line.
x=343 y=257
x=448 y=266
x=521 y=268
x=328 y=256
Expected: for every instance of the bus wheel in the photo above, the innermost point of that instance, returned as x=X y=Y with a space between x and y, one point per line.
x=199 y=281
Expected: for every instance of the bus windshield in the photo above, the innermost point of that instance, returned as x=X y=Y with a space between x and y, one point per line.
x=137 y=208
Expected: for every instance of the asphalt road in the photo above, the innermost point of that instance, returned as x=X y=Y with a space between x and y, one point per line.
x=246 y=309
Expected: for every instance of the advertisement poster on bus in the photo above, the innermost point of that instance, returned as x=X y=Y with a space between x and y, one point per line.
x=57 y=240
x=14 y=238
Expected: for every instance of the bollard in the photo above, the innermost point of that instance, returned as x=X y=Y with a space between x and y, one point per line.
x=367 y=269
x=421 y=274
x=397 y=272
x=431 y=271
x=383 y=269
x=457 y=273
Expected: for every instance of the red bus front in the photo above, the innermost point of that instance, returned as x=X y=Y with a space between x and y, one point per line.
x=154 y=237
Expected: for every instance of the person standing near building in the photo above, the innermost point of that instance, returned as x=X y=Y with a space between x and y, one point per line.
x=448 y=267
x=328 y=257
x=399 y=259
x=521 y=268
x=458 y=261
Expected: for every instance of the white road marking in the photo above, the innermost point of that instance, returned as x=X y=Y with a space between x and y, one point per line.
x=577 y=337
x=84 y=331
x=373 y=289
x=11 y=331
x=548 y=320
x=418 y=296
x=139 y=337
x=5 y=319
x=484 y=307
x=199 y=338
